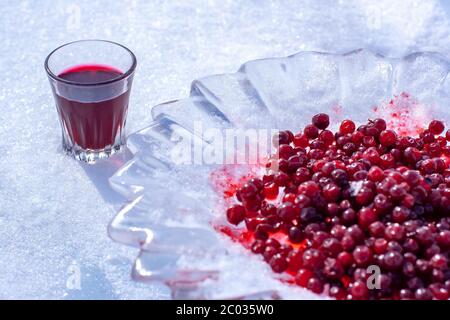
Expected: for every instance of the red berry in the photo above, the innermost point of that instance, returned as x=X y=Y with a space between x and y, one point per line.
x=258 y=246
x=271 y=191
x=311 y=131
x=309 y=188
x=282 y=137
x=380 y=124
x=436 y=127
x=364 y=196
x=327 y=137
x=321 y=120
x=312 y=259
x=362 y=255
x=359 y=290
x=388 y=138
x=347 y=126
x=236 y=214
x=315 y=285
x=392 y=260
x=366 y=216
x=278 y=263
x=303 y=276
x=248 y=191
x=301 y=140
x=375 y=174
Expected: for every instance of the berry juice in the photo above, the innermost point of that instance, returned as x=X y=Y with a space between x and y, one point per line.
x=92 y=117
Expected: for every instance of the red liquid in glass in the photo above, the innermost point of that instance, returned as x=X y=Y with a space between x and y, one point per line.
x=93 y=125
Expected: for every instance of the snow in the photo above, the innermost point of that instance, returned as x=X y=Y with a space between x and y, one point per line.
x=53 y=210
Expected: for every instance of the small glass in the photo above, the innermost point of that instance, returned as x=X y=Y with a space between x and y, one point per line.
x=91 y=82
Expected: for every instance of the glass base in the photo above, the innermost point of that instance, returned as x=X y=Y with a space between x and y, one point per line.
x=91 y=156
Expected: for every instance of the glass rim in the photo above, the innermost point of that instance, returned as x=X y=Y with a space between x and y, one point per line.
x=121 y=77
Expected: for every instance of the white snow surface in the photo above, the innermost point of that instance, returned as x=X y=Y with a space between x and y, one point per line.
x=53 y=210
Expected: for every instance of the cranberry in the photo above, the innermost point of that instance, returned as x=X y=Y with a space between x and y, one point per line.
x=347 y=126
x=269 y=252
x=236 y=214
x=382 y=202
x=436 y=127
x=302 y=175
x=333 y=269
x=331 y=246
x=359 y=290
x=388 y=138
x=315 y=285
x=393 y=260
x=278 y=263
x=337 y=293
x=394 y=232
x=295 y=234
x=397 y=192
x=271 y=191
x=261 y=232
x=287 y=211
x=401 y=213
x=424 y=235
x=364 y=196
x=375 y=174
x=439 y=261
x=345 y=258
x=348 y=216
x=309 y=214
x=311 y=131
x=258 y=246
x=282 y=137
x=327 y=137
x=405 y=294
x=331 y=192
x=303 y=276
x=380 y=246
x=340 y=177
x=333 y=209
x=443 y=238
x=281 y=179
x=252 y=223
x=312 y=259
x=248 y=191
x=387 y=161
x=412 y=155
x=355 y=232
x=366 y=216
x=285 y=151
x=308 y=188
x=294 y=260
x=362 y=255
x=423 y=294
x=321 y=120
x=439 y=291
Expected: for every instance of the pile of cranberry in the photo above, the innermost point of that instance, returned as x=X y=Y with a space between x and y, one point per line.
x=348 y=204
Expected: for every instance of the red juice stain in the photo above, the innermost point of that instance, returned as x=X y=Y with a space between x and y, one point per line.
x=404 y=114
x=92 y=121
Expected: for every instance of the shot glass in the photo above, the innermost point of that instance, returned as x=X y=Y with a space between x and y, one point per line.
x=91 y=82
